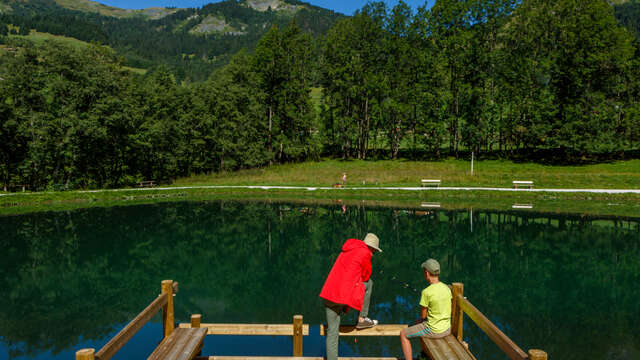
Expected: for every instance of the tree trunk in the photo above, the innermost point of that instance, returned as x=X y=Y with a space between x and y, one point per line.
x=413 y=130
x=269 y=147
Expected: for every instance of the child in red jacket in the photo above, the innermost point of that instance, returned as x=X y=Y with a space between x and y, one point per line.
x=349 y=286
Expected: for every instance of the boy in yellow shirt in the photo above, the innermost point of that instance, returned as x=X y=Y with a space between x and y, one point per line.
x=435 y=310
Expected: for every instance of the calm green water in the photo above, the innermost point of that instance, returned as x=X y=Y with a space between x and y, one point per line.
x=568 y=285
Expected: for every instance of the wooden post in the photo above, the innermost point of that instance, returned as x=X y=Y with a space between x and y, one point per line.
x=196 y=320
x=167 y=310
x=297 y=335
x=85 y=354
x=537 y=355
x=456 y=311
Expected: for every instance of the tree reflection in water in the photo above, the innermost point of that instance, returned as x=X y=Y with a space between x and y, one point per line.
x=549 y=281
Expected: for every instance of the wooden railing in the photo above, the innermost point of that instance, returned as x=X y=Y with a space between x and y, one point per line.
x=297 y=330
x=164 y=301
x=461 y=305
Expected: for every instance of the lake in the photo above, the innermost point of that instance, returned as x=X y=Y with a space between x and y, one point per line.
x=564 y=284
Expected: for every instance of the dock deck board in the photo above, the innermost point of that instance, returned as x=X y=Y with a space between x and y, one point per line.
x=249 y=329
x=378 y=330
x=287 y=358
x=447 y=348
x=182 y=344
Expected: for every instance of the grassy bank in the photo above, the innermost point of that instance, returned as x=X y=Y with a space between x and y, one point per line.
x=454 y=173
x=618 y=175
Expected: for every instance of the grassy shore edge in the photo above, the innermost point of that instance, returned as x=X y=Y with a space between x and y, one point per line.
x=624 y=205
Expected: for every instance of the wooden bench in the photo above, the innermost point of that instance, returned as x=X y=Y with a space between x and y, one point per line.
x=453 y=347
x=149 y=183
x=426 y=182
x=517 y=183
x=182 y=344
x=447 y=348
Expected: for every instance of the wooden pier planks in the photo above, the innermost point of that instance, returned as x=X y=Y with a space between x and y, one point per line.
x=186 y=342
x=447 y=348
x=249 y=329
x=378 y=330
x=287 y=358
x=182 y=344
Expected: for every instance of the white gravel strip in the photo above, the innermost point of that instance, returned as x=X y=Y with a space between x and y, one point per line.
x=270 y=187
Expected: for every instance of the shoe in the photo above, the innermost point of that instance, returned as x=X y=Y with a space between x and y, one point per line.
x=366 y=323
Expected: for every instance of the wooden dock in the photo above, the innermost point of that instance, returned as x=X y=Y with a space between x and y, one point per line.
x=186 y=341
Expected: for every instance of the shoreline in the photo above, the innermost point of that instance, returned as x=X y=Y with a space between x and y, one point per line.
x=583 y=202
x=314 y=188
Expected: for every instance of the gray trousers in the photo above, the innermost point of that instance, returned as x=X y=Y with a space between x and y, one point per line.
x=334 y=311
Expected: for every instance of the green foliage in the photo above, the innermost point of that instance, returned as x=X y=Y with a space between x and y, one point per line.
x=281 y=62
x=581 y=85
x=236 y=129
x=628 y=14
x=63 y=107
x=481 y=75
x=75 y=117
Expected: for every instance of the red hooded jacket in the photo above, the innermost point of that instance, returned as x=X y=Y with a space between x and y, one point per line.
x=344 y=285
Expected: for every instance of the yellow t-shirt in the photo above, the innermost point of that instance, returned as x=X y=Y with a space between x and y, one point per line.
x=437 y=299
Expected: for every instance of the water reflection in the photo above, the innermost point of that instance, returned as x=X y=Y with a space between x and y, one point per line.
x=549 y=281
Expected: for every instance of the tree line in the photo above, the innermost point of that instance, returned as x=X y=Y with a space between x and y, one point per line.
x=74 y=117
x=481 y=75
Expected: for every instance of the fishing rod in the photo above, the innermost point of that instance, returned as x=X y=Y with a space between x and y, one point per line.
x=403 y=284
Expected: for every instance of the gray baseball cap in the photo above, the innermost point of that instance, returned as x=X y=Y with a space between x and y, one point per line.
x=432 y=266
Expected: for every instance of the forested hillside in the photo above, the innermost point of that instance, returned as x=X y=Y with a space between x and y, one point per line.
x=191 y=42
x=535 y=79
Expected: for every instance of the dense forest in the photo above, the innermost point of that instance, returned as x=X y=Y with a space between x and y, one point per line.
x=491 y=76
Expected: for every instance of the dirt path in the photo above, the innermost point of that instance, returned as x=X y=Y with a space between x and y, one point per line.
x=417 y=189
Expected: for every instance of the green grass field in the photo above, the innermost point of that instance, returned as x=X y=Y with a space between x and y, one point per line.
x=454 y=173
x=39 y=38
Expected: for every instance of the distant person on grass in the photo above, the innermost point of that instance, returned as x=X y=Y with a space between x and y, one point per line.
x=344 y=180
x=435 y=310
x=349 y=286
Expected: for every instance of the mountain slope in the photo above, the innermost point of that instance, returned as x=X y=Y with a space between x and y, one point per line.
x=160 y=12
x=92 y=6
x=191 y=41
